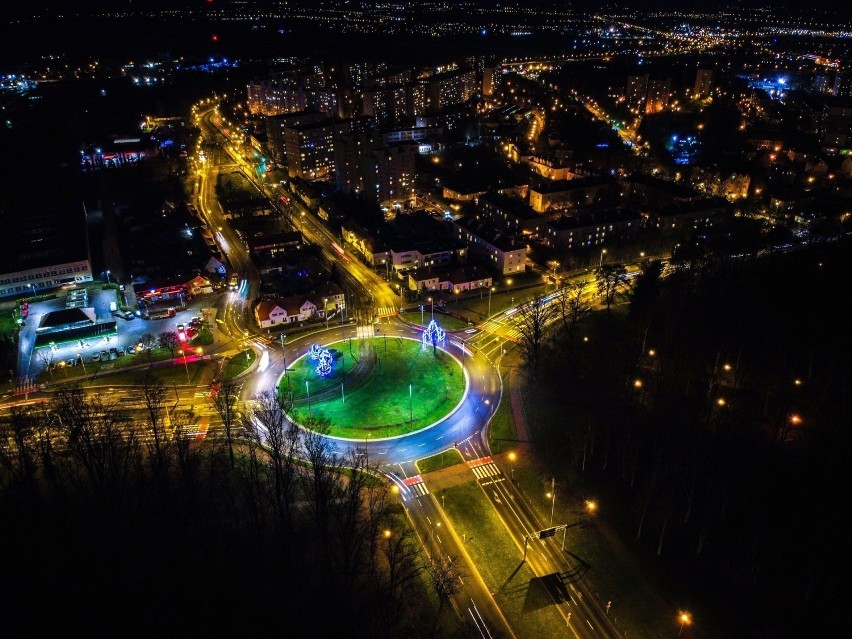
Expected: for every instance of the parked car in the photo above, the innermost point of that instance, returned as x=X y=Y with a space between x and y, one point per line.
x=131 y=350
x=104 y=356
x=96 y=357
x=113 y=353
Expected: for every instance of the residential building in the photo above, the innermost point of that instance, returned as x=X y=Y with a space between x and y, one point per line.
x=637 y=91
x=586 y=229
x=288 y=310
x=684 y=218
x=703 y=83
x=559 y=195
x=502 y=250
x=511 y=213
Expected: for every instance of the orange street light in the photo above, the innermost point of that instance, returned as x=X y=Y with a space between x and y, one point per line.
x=685 y=619
x=795 y=419
x=387 y=534
x=721 y=401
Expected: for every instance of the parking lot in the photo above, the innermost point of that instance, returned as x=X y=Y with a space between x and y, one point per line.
x=128 y=332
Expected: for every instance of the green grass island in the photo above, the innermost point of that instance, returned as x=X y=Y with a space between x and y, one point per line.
x=379 y=387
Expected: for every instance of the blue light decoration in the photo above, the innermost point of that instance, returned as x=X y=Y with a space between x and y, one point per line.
x=315 y=351
x=326 y=361
x=433 y=335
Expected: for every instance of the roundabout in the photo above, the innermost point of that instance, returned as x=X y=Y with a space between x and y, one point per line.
x=374 y=388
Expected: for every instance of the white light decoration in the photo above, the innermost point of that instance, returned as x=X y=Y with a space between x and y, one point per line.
x=433 y=335
x=326 y=360
x=314 y=351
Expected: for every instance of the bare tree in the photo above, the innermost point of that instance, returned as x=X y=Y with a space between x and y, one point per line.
x=168 y=340
x=278 y=437
x=320 y=489
x=47 y=358
x=99 y=439
x=225 y=403
x=611 y=279
x=188 y=459
x=148 y=342
x=19 y=447
x=535 y=316
x=446 y=577
x=154 y=395
x=572 y=305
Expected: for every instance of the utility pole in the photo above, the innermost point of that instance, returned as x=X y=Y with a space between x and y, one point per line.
x=552 y=498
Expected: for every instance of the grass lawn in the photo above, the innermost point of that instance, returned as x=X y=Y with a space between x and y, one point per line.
x=377 y=399
x=446 y=459
x=195 y=372
x=447 y=322
x=66 y=373
x=501 y=433
x=7 y=322
x=524 y=601
x=238 y=363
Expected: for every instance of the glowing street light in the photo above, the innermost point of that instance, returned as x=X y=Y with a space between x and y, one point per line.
x=512 y=458
x=600 y=263
x=552 y=496
x=685 y=619
x=490 y=290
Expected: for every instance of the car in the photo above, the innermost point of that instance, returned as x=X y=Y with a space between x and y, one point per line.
x=71 y=362
x=96 y=357
x=471 y=330
x=191 y=332
x=104 y=356
x=195 y=320
x=113 y=353
x=131 y=350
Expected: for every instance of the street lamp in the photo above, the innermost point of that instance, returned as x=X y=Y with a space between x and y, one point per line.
x=186 y=366
x=512 y=458
x=685 y=619
x=325 y=309
x=433 y=307
x=490 y=290
x=552 y=495
x=308 y=391
x=83 y=362
x=600 y=263
x=107 y=273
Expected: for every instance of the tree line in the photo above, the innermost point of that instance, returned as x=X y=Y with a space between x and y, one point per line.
x=124 y=521
x=716 y=405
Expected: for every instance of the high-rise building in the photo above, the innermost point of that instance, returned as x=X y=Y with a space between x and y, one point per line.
x=290 y=94
x=490 y=79
x=637 y=91
x=450 y=89
x=703 y=83
x=388 y=171
x=658 y=95
x=276 y=126
x=837 y=129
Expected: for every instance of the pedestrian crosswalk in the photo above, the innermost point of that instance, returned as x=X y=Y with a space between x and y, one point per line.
x=386 y=311
x=484 y=468
x=503 y=330
x=365 y=331
x=416 y=485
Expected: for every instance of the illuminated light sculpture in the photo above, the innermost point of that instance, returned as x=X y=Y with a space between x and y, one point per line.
x=326 y=361
x=433 y=335
x=315 y=351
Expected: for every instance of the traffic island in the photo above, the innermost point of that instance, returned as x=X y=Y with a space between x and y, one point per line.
x=377 y=388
